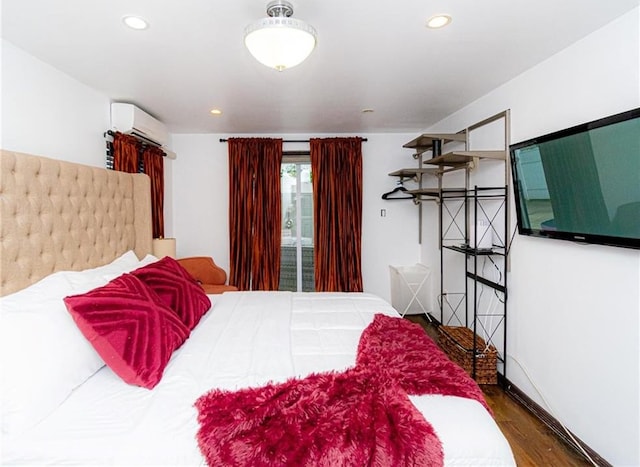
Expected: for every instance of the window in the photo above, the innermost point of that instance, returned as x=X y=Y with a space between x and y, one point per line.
x=296 y=265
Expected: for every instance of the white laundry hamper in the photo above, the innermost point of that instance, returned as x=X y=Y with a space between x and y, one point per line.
x=411 y=291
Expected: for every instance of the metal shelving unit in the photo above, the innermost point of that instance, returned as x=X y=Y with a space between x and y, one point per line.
x=479 y=304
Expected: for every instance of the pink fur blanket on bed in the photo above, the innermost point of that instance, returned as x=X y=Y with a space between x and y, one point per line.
x=361 y=416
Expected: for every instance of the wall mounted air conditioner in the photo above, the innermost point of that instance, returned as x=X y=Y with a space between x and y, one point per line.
x=129 y=119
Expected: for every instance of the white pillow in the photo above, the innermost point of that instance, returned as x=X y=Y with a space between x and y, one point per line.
x=52 y=286
x=83 y=281
x=147 y=260
x=63 y=283
x=43 y=354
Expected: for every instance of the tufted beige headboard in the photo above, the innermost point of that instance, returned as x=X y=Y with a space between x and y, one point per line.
x=57 y=215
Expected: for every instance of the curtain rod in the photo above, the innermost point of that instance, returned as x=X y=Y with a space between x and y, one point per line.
x=224 y=140
x=140 y=138
x=145 y=142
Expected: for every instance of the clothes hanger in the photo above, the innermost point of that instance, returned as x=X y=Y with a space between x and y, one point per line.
x=399 y=192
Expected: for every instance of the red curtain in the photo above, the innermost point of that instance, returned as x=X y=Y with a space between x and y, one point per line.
x=153 y=160
x=255 y=212
x=125 y=153
x=336 y=165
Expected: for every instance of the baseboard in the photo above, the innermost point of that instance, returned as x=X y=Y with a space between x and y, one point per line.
x=540 y=413
x=549 y=420
x=432 y=319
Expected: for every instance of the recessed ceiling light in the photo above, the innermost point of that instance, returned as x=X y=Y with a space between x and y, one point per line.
x=135 y=22
x=438 y=21
x=367 y=111
x=216 y=112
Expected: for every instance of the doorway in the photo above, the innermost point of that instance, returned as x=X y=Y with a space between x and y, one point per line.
x=296 y=261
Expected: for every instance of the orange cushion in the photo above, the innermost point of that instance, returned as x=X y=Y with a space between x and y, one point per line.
x=204 y=270
x=217 y=289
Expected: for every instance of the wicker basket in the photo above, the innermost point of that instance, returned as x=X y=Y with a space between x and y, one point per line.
x=457 y=342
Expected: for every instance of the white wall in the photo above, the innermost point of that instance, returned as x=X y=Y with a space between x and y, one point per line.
x=393 y=239
x=201 y=193
x=48 y=113
x=574 y=310
x=201 y=201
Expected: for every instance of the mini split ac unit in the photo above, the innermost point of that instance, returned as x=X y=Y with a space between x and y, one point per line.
x=129 y=119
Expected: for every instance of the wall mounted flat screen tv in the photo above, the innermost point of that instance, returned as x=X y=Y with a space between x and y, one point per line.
x=582 y=183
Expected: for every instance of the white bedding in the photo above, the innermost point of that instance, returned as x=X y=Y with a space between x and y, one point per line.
x=246 y=339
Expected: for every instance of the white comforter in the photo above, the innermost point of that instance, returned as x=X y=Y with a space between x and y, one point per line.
x=246 y=339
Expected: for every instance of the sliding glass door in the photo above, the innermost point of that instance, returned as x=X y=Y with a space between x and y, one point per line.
x=296 y=267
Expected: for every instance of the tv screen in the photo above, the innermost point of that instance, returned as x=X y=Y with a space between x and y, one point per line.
x=582 y=183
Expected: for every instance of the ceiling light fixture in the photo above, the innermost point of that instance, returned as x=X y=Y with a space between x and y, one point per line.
x=438 y=21
x=216 y=112
x=280 y=41
x=135 y=22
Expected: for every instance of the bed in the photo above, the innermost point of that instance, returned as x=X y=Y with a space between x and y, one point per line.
x=68 y=230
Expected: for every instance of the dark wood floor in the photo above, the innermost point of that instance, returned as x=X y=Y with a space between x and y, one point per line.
x=533 y=444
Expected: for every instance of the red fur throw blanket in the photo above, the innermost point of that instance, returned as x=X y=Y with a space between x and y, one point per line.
x=358 y=417
x=402 y=350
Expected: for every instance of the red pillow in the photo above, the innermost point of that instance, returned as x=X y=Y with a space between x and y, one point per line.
x=176 y=288
x=130 y=328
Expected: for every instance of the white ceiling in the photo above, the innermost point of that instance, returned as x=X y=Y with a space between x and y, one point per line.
x=370 y=54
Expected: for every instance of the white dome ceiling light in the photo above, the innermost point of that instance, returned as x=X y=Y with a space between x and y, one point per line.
x=279 y=41
x=438 y=21
x=135 y=22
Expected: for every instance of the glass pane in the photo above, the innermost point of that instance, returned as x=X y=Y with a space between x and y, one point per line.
x=296 y=267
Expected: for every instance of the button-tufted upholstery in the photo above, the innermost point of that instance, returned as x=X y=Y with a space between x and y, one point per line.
x=57 y=215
